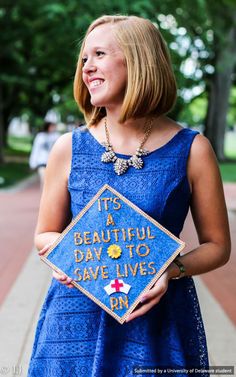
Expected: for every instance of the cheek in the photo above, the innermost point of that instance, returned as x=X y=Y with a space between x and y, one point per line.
x=84 y=78
x=122 y=74
x=121 y=79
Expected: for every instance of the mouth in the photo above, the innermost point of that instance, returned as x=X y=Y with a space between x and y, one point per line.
x=96 y=83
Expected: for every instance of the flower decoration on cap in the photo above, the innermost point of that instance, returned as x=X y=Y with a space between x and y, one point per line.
x=114 y=251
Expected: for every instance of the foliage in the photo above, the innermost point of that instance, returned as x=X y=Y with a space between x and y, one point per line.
x=228 y=171
x=13 y=172
x=39 y=49
x=230 y=142
x=40 y=44
x=231 y=118
x=19 y=146
x=194 y=113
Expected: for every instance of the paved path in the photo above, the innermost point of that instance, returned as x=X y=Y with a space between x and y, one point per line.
x=24 y=280
x=221 y=282
x=18 y=208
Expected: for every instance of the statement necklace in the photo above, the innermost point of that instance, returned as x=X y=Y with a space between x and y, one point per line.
x=120 y=164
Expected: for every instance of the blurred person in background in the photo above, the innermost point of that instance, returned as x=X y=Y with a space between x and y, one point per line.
x=42 y=146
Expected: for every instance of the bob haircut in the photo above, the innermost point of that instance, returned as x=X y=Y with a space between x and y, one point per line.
x=151 y=86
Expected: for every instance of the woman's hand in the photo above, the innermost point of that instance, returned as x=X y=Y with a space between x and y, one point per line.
x=62 y=278
x=152 y=297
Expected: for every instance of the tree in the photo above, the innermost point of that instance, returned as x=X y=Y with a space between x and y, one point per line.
x=211 y=29
x=39 y=50
x=224 y=57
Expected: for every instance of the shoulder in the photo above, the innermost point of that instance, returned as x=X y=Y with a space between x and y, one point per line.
x=62 y=148
x=202 y=159
x=60 y=158
x=63 y=142
x=201 y=148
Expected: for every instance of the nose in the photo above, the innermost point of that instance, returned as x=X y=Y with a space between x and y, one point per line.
x=88 y=67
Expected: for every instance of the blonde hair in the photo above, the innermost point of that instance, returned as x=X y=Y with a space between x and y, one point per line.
x=151 y=85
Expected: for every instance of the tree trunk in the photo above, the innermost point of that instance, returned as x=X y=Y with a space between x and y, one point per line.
x=219 y=91
x=1 y=128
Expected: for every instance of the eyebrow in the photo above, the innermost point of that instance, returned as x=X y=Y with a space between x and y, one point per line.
x=99 y=48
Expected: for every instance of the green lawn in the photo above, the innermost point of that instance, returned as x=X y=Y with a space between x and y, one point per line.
x=19 y=145
x=12 y=172
x=16 y=166
x=230 y=145
x=228 y=171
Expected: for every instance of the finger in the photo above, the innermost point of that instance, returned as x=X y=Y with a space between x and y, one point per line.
x=62 y=278
x=45 y=249
x=68 y=280
x=149 y=303
x=59 y=276
x=156 y=291
x=143 y=310
x=68 y=283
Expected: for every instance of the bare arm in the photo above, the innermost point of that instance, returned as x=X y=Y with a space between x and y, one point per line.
x=210 y=217
x=208 y=210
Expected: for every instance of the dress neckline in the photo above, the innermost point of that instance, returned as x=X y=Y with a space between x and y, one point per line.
x=121 y=155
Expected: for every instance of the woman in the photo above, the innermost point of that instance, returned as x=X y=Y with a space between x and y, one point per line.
x=124 y=84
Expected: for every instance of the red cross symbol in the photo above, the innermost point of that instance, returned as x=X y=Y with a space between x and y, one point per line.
x=117 y=285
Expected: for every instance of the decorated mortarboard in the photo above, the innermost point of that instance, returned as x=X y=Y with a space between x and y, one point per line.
x=114 y=252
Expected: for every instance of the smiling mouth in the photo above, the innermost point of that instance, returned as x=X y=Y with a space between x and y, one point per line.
x=96 y=83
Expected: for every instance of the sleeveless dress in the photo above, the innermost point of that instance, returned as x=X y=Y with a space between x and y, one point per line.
x=74 y=336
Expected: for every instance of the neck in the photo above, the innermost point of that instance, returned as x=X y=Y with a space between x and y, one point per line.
x=130 y=128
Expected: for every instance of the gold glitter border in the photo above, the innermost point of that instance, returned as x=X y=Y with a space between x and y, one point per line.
x=122 y=319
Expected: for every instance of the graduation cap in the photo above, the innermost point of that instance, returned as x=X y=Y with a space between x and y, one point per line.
x=114 y=252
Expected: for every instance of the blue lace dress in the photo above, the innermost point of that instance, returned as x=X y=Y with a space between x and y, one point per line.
x=74 y=336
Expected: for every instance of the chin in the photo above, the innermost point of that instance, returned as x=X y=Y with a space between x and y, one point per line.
x=94 y=99
x=102 y=102
x=97 y=103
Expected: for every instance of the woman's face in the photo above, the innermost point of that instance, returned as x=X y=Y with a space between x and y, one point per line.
x=104 y=70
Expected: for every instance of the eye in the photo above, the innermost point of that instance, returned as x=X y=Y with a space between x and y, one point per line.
x=84 y=60
x=100 y=53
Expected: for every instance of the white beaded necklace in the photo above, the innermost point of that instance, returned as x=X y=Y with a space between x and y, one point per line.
x=120 y=164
